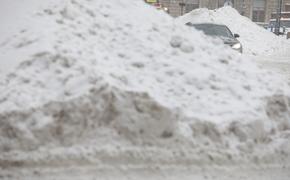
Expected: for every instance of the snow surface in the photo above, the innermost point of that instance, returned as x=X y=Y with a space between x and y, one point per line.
x=16 y=18
x=116 y=82
x=255 y=39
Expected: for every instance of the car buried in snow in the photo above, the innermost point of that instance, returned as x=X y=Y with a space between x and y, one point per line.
x=219 y=31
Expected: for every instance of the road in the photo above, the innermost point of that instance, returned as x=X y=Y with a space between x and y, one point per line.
x=282 y=67
x=275 y=63
x=150 y=172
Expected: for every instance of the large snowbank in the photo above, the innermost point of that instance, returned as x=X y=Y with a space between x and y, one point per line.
x=255 y=39
x=112 y=77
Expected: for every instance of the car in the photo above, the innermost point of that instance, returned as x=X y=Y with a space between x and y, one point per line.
x=220 y=31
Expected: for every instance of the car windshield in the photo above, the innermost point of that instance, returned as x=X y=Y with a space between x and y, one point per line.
x=214 y=30
x=285 y=23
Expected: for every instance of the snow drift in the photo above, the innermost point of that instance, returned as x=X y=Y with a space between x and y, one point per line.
x=250 y=33
x=119 y=74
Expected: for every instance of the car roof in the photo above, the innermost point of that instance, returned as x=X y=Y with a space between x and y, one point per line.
x=214 y=24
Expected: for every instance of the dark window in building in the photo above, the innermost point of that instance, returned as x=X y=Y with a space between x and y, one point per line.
x=259 y=7
x=287 y=7
x=191 y=5
x=258 y=16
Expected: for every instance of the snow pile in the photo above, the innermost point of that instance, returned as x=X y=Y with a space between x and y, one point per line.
x=255 y=39
x=119 y=74
x=15 y=18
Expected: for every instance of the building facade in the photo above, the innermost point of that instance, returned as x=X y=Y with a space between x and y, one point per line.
x=257 y=10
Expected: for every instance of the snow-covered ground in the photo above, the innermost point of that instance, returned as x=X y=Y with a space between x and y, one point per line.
x=115 y=89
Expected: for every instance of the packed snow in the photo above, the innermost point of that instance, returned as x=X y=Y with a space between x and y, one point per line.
x=255 y=39
x=116 y=82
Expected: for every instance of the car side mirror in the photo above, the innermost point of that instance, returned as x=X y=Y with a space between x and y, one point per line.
x=236 y=35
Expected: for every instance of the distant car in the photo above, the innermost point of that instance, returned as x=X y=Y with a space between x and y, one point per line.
x=284 y=26
x=219 y=31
